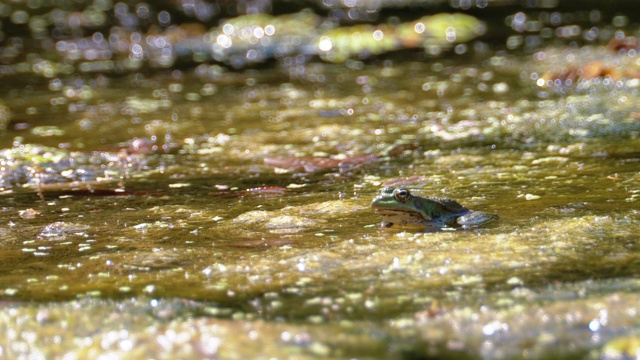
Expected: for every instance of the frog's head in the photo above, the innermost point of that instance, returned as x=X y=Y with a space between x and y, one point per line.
x=398 y=207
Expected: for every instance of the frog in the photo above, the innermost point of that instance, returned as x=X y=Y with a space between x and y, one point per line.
x=398 y=206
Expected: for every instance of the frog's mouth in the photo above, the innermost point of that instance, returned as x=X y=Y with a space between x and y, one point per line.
x=401 y=217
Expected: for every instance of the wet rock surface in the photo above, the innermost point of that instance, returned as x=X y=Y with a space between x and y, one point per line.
x=163 y=198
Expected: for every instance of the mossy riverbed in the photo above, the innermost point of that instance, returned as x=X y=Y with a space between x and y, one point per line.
x=215 y=212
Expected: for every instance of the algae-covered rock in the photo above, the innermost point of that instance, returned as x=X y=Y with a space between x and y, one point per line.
x=251 y=39
x=361 y=41
x=625 y=347
x=5 y=115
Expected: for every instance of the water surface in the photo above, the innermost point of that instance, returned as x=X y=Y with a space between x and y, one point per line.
x=217 y=213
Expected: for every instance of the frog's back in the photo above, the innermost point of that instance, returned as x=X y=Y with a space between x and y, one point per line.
x=449 y=205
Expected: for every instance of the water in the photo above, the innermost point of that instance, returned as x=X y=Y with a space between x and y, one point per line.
x=187 y=215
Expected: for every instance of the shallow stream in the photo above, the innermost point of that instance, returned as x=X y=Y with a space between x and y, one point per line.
x=216 y=213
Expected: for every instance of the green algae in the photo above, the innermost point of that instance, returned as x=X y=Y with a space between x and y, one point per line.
x=152 y=224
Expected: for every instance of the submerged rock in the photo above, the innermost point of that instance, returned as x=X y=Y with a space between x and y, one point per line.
x=59 y=230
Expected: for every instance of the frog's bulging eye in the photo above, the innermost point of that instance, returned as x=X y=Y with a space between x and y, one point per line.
x=402 y=194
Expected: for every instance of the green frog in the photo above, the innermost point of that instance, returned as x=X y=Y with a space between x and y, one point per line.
x=399 y=207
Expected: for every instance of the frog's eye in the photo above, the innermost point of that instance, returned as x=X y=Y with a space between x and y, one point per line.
x=402 y=194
